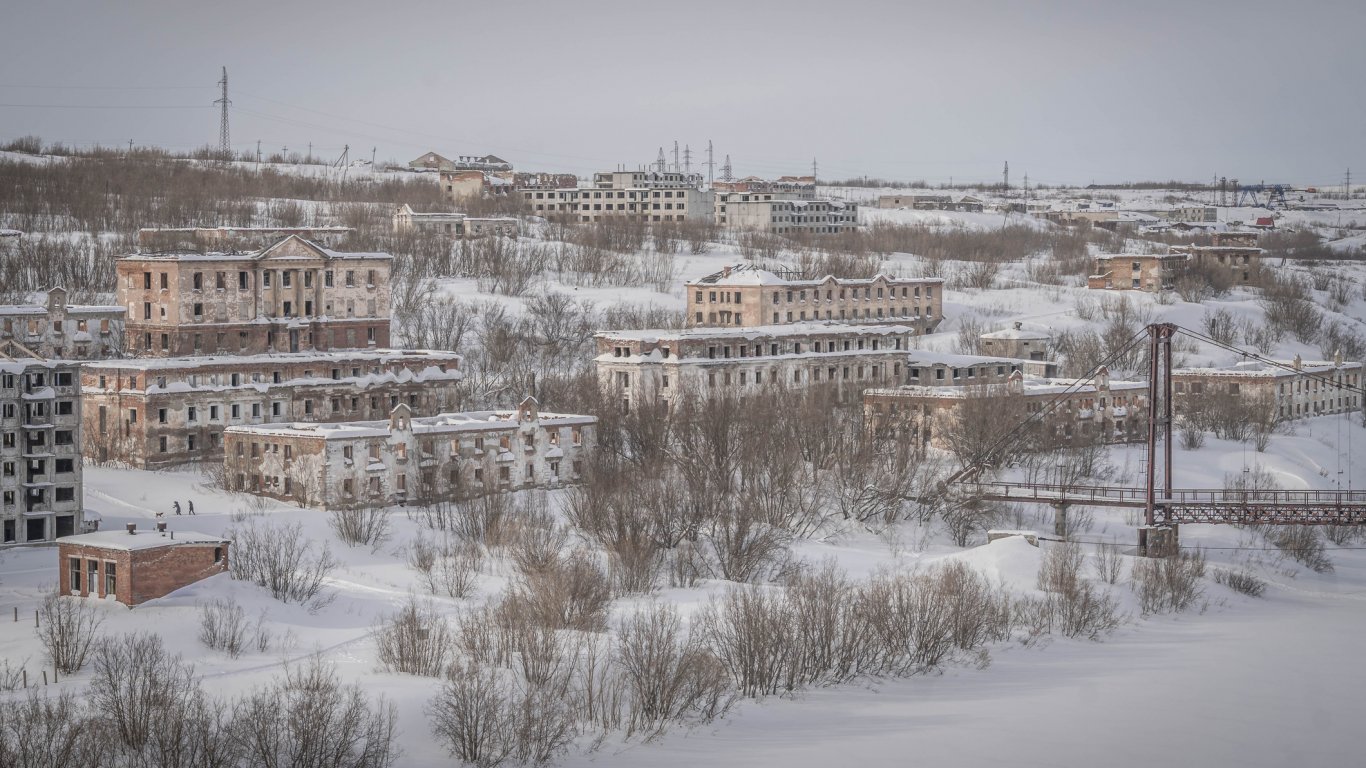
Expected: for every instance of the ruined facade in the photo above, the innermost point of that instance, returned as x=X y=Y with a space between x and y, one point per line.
x=647 y=196
x=784 y=213
x=1016 y=342
x=162 y=412
x=40 y=439
x=59 y=330
x=1150 y=272
x=409 y=459
x=745 y=296
x=135 y=566
x=290 y=297
x=1067 y=411
x=454 y=224
x=660 y=365
x=1307 y=389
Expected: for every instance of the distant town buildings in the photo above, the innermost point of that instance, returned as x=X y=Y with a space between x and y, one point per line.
x=435 y=162
x=649 y=196
x=747 y=296
x=133 y=566
x=60 y=330
x=292 y=296
x=40 y=444
x=410 y=459
x=150 y=413
x=782 y=214
x=793 y=187
x=931 y=202
x=461 y=185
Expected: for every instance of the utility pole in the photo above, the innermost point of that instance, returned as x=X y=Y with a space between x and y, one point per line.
x=1348 y=185
x=130 y=147
x=726 y=173
x=224 y=145
x=687 y=159
x=372 y=157
x=711 y=163
x=1005 y=180
x=1025 y=191
x=309 y=158
x=813 y=171
x=258 y=154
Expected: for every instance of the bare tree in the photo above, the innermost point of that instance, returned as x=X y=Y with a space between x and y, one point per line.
x=67 y=627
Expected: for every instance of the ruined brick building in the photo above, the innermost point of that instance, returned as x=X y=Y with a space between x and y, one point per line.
x=156 y=412
x=292 y=296
x=135 y=566
x=747 y=296
x=59 y=330
x=409 y=459
x=1291 y=389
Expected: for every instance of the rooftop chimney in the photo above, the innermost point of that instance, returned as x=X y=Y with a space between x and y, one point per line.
x=132 y=529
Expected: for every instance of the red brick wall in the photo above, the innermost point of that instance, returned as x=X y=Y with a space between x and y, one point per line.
x=143 y=574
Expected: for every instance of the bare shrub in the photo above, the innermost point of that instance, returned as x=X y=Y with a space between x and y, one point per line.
x=415 y=641
x=1109 y=563
x=670 y=674
x=569 y=592
x=281 y=559
x=1303 y=544
x=1060 y=570
x=1220 y=325
x=1168 y=583
x=67 y=626
x=457 y=570
x=1342 y=535
x=309 y=719
x=471 y=715
x=138 y=687
x=1073 y=607
x=1239 y=581
x=367 y=526
x=223 y=627
x=1290 y=307
x=50 y=731
x=750 y=631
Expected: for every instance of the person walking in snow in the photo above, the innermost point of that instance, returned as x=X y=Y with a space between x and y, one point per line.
x=191 y=507
x=176 y=505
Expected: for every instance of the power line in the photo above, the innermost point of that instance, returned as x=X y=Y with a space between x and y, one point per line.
x=106 y=106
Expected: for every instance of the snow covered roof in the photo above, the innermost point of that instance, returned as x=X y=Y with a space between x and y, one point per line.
x=469 y=421
x=1141 y=256
x=345 y=355
x=290 y=247
x=1017 y=332
x=755 y=332
x=11 y=233
x=927 y=357
x=1261 y=369
x=1029 y=386
x=71 y=309
x=750 y=274
x=143 y=539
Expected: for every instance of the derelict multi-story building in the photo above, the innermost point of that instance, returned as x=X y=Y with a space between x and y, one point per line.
x=648 y=196
x=62 y=331
x=747 y=296
x=409 y=459
x=40 y=439
x=156 y=412
x=292 y=296
x=1291 y=389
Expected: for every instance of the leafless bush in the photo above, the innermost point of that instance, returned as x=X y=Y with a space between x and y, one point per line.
x=1220 y=325
x=484 y=719
x=980 y=275
x=309 y=719
x=1109 y=563
x=138 y=687
x=457 y=570
x=1303 y=544
x=67 y=626
x=415 y=641
x=223 y=627
x=1073 y=607
x=11 y=678
x=1168 y=583
x=1338 y=339
x=1060 y=570
x=281 y=559
x=1290 y=307
x=670 y=674
x=1263 y=337
x=1239 y=581
x=50 y=731
x=367 y=526
x=1342 y=535
x=569 y=592
x=1192 y=436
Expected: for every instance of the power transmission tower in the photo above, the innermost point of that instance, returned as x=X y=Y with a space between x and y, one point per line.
x=711 y=163
x=813 y=170
x=1025 y=192
x=659 y=164
x=1348 y=186
x=726 y=174
x=687 y=159
x=224 y=144
x=675 y=155
x=1005 y=179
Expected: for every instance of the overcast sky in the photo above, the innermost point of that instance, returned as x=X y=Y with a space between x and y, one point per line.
x=1065 y=91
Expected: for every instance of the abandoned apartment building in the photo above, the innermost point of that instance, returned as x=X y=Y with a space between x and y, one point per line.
x=132 y=566
x=157 y=412
x=1234 y=254
x=649 y=196
x=292 y=296
x=1289 y=389
x=1151 y=272
x=60 y=330
x=656 y=366
x=40 y=439
x=783 y=213
x=1069 y=411
x=409 y=459
x=746 y=296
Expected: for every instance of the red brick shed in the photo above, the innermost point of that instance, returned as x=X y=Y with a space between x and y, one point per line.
x=135 y=566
